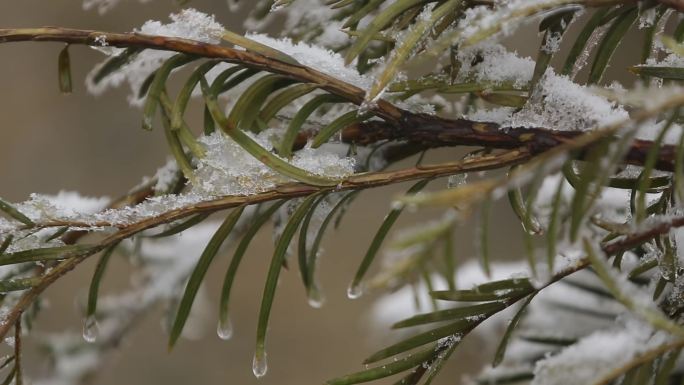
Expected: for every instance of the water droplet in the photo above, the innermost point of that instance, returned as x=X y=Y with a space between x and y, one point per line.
x=90 y=329
x=533 y=228
x=259 y=365
x=225 y=329
x=316 y=298
x=354 y=291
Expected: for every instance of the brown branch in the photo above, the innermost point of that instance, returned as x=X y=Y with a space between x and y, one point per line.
x=359 y=181
x=18 y=370
x=432 y=131
x=398 y=124
x=288 y=191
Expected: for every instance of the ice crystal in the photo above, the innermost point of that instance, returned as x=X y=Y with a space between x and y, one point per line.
x=493 y=63
x=189 y=24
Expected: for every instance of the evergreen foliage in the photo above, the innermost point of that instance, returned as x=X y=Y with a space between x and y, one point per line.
x=295 y=128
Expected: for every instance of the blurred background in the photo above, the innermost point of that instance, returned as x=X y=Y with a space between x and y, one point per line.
x=94 y=145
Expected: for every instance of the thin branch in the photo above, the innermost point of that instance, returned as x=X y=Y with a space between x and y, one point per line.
x=359 y=181
x=639 y=360
x=18 y=374
x=288 y=191
x=638 y=238
x=294 y=190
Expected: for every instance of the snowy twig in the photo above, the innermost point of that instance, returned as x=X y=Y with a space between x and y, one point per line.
x=359 y=181
x=399 y=124
x=288 y=191
x=18 y=374
x=295 y=190
x=350 y=92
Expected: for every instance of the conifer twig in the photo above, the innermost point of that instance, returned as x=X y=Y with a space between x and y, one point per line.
x=398 y=124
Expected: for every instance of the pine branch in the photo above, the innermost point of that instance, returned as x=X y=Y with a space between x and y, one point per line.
x=432 y=131
x=289 y=191
x=294 y=190
x=399 y=124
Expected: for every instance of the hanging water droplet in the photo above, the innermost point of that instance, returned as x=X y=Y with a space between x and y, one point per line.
x=354 y=291
x=316 y=298
x=90 y=329
x=259 y=365
x=225 y=329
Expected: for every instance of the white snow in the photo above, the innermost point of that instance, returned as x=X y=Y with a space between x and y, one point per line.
x=188 y=23
x=493 y=64
x=316 y=57
x=597 y=355
x=64 y=205
x=556 y=103
x=561 y=104
x=166 y=176
x=227 y=169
